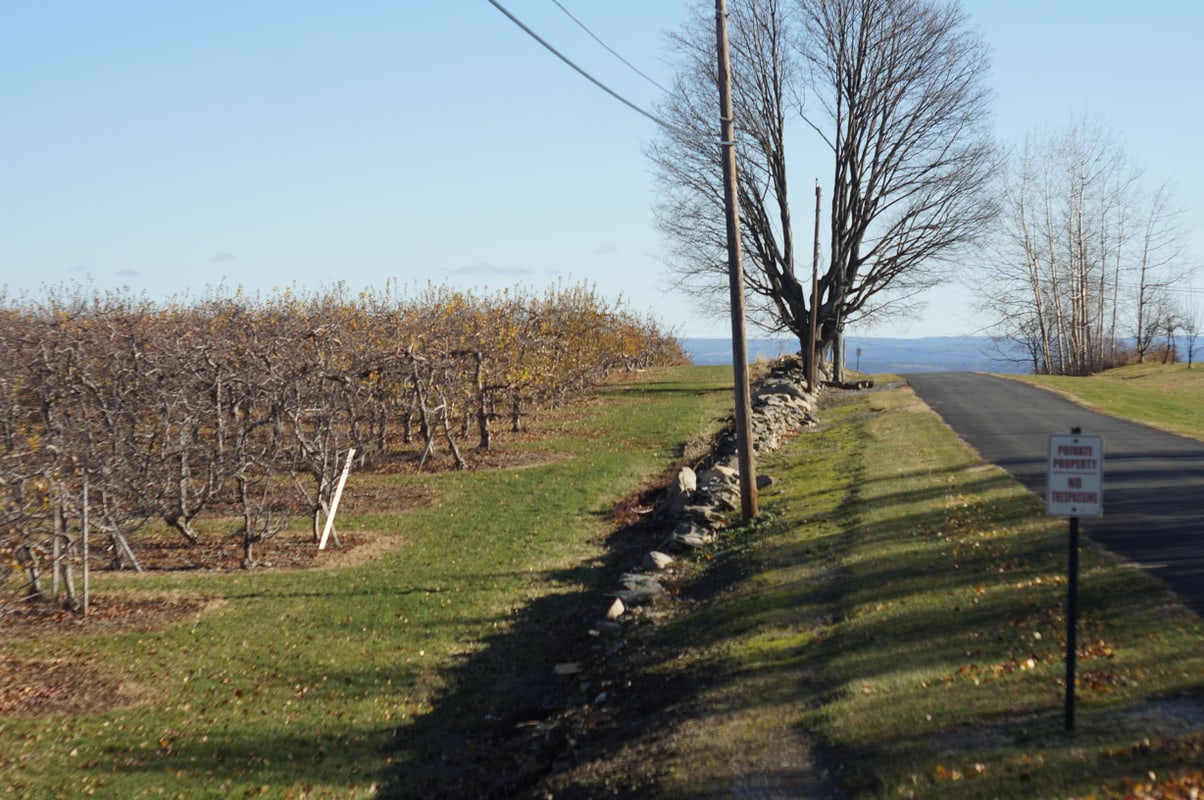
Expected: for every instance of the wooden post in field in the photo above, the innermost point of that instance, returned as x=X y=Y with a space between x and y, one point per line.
x=813 y=334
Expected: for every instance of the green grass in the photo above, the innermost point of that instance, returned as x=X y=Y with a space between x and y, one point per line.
x=901 y=610
x=1166 y=396
x=896 y=614
x=343 y=682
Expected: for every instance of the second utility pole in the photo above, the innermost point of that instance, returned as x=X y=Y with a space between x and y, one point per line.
x=731 y=202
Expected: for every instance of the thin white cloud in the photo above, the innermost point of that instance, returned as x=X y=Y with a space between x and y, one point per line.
x=221 y=256
x=491 y=269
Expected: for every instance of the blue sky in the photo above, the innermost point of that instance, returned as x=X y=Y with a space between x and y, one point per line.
x=170 y=147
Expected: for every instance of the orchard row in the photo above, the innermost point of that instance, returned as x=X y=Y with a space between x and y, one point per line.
x=245 y=408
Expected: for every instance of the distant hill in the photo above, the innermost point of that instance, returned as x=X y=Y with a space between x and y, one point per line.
x=930 y=354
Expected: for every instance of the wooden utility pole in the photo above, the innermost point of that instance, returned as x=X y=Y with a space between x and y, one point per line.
x=813 y=334
x=727 y=142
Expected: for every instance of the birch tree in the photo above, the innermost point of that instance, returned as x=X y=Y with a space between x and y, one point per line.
x=1086 y=257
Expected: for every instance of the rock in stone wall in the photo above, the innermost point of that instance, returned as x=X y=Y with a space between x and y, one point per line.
x=695 y=506
x=781 y=406
x=690 y=515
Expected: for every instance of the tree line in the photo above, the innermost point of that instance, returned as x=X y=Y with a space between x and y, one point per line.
x=245 y=407
x=1088 y=270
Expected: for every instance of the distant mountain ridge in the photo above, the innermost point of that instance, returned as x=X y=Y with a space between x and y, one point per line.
x=928 y=354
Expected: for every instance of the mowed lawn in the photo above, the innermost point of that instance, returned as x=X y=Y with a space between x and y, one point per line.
x=894 y=626
x=1165 y=396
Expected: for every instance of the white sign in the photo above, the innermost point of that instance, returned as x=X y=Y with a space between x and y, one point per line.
x=1075 y=483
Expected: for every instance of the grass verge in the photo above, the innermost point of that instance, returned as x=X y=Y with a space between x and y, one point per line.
x=1165 y=396
x=944 y=674
x=894 y=627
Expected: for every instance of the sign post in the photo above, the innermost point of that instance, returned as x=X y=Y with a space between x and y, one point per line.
x=1074 y=488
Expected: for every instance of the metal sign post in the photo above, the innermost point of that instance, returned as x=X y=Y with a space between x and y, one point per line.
x=1074 y=488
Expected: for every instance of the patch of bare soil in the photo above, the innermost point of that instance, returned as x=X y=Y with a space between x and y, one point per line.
x=111 y=612
x=60 y=687
x=288 y=550
x=73 y=685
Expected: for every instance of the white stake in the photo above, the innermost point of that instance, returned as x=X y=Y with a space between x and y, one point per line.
x=334 y=503
x=85 y=546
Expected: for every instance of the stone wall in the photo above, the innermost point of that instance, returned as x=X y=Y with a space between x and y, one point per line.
x=697 y=505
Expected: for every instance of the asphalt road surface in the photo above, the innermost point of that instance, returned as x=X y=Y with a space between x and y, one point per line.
x=1153 y=494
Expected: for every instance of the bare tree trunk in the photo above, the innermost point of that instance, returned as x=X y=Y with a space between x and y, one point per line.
x=56 y=552
x=426 y=429
x=1112 y=331
x=838 y=356
x=516 y=412
x=27 y=557
x=451 y=441
x=248 y=550
x=71 y=600
x=1042 y=352
x=407 y=425
x=183 y=526
x=122 y=549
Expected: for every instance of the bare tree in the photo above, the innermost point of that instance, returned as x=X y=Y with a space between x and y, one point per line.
x=894 y=89
x=190 y=411
x=905 y=111
x=1159 y=265
x=1083 y=254
x=1190 y=321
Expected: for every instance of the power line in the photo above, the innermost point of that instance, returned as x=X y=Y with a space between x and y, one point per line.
x=609 y=49
x=582 y=72
x=1175 y=287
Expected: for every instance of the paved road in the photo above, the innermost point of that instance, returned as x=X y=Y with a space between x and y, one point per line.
x=1153 y=481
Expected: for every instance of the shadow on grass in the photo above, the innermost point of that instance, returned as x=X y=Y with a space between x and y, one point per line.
x=248 y=763
x=896 y=585
x=943 y=597
x=506 y=721
x=496 y=728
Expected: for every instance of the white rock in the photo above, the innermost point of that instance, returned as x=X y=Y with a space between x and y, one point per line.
x=657 y=560
x=693 y=540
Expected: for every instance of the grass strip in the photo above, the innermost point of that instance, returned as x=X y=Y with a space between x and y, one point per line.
x=895 y=627
x=1165 y=396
